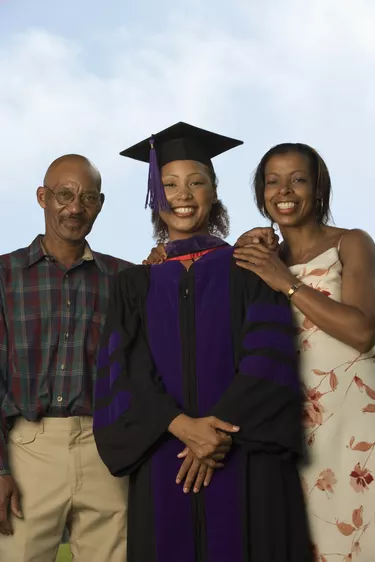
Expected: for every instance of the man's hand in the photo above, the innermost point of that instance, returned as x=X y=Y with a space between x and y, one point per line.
x=266 y=236
x=157 y=256
x=206 y=438
x=9 y=503
x=194 y=472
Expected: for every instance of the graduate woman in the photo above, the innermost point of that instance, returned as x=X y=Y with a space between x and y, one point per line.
x=198 y=356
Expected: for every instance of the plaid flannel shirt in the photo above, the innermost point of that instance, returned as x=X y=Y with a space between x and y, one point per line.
x=51 y=320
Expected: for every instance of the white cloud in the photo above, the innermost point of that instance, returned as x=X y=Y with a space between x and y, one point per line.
x=293 y=70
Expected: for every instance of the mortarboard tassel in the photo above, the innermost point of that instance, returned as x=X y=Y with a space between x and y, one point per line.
x=155 y=198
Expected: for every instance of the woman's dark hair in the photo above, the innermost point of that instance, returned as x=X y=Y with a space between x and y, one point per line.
x=319 y=171
x=218 y=220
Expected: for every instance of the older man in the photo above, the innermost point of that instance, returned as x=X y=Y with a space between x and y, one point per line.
x=53 y=297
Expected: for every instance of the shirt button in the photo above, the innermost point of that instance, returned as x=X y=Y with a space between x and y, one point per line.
x=66 y=335
x=59 y=398
x=68 y=303
x=63 y=367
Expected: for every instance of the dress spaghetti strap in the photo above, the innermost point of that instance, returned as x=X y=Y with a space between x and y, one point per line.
x=339 y=243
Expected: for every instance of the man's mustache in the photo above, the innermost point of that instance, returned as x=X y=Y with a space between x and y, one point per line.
x=79 y=218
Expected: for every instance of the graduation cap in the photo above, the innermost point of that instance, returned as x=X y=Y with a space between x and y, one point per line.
x=178 y=142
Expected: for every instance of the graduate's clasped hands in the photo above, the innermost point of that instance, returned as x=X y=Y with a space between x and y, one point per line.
x=207 y=443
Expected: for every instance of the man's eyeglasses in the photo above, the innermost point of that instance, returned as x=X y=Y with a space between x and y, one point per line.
x=65 y=196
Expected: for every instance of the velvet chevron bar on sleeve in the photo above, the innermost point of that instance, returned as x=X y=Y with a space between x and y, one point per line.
x=268 y=349
x=112 y=400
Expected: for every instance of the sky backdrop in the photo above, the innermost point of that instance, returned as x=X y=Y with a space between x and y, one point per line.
x=93 y=77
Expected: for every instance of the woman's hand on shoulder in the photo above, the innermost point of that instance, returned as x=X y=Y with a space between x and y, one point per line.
x=265 y=235
x=157 y=256
x=266 y=264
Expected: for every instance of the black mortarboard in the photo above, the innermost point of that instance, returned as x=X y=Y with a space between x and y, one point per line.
x=179 y=142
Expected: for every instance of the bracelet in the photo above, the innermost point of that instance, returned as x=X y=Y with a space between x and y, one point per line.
x=293 y=289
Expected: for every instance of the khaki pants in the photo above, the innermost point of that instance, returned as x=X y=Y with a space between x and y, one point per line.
x=63 y=480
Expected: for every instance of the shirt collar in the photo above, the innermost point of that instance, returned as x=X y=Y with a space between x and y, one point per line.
x=37 y=252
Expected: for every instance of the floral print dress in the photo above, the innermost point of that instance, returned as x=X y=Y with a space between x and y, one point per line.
x=339 y=417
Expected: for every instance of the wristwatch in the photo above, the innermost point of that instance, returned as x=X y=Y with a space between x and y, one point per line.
x=293 y=289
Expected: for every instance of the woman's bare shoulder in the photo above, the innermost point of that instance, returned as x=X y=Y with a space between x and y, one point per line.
x=357 y=246
x=335 y=233
x=355 y=236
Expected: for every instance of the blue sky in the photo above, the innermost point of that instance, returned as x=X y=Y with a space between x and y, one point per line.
x=94 y=77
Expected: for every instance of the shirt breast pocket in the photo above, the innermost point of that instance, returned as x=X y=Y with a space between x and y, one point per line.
x=91 y=320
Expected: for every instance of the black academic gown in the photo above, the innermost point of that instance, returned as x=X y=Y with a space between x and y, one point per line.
x=214 y=340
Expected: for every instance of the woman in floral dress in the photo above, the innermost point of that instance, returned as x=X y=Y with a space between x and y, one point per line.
x=329 y=275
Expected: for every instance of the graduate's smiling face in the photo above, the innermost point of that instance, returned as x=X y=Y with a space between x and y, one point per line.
x=289 y=193
x=190 y=193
